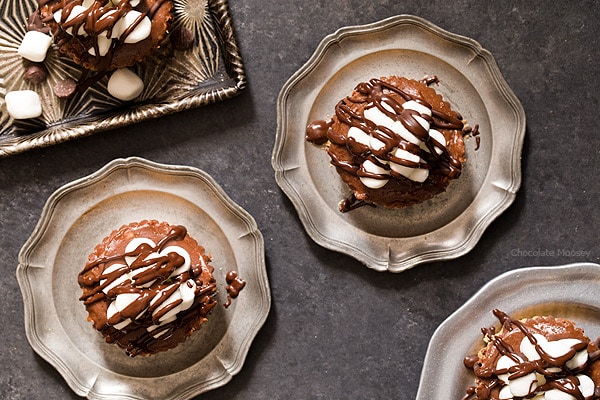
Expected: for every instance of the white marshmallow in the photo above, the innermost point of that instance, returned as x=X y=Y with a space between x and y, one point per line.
x=438 y=137
x=188 y=294
x=524 y=385
x=404 y=133
x=122 y=324
x=376 y=144
x=186 y=257
x=414 y=174
x=117 y=28
x=34 y=46
x=415 y=106
x=75 y=12
x=141 y=30
x=578 y=360
x=556 y=394
x=376 y=116
x=134 y=244
x=528 y=349
x=125 y=85
x=124 y=300
x=373 y=168
x=504 y=362
x=176 y=296
x=133 y=3
x=359 y=136
x=23 y=104
x=586 y=385
x=423 y=122
x=103 y=46
x=505 y=393
x=555 y=348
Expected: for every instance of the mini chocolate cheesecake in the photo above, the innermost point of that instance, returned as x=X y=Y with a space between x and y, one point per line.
x=394 y=141
x=541 y=357
x=147 y=287
x=103 y=35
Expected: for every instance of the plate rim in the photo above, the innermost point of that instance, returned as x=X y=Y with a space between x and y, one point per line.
x=224 y=373
x=410 y=259
x=67 y=130
x=470 y=306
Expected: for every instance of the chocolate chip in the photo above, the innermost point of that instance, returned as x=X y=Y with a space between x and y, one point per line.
x=35 y=23
x=35 y=73
x=65 y=88
x=182 y=38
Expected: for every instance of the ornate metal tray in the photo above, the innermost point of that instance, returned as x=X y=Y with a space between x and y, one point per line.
x=174 y=80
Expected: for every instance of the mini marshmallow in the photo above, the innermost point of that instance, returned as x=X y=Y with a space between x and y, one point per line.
x=125 y=85
x=132 y=3
x=399 y=128
x=414 y=174
x=23 y=104
x=75 y=12
x=359 y=136
x=34 y=46
x=116 y=30
x=141 y=30
x=416 y=106
x=373 y=168
x=378 y=117
x=376 y=144
x=123 y=300
x=187 y=261
x=103 y=46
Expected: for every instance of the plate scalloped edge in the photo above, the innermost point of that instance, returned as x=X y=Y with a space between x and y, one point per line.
x=471 y=238
x=73 y=379
x=445 y=329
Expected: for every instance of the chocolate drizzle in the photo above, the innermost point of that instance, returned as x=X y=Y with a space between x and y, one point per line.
x=79 y=29
x=431 y=155
x=557 y=374
x=154 y=283
x=378 y=93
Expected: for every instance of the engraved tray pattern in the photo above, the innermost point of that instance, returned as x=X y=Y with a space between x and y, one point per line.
x=443 y=228
x=211 y=71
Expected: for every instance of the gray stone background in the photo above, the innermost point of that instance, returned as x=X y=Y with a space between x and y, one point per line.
x=338 y=330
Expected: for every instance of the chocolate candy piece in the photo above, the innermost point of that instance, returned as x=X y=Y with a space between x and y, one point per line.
x=35 y=73
x=65 y=88
x=182 y=38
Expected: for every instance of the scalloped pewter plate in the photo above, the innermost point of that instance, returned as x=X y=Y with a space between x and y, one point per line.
x=445 y=227
x=77 y=217
x=567 y=291
x=174 y=80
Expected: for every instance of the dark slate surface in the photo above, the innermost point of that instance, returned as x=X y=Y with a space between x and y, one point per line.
x=338 y=330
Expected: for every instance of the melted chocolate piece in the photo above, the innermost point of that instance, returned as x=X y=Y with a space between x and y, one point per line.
x=316 y=132
x=234 y=285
